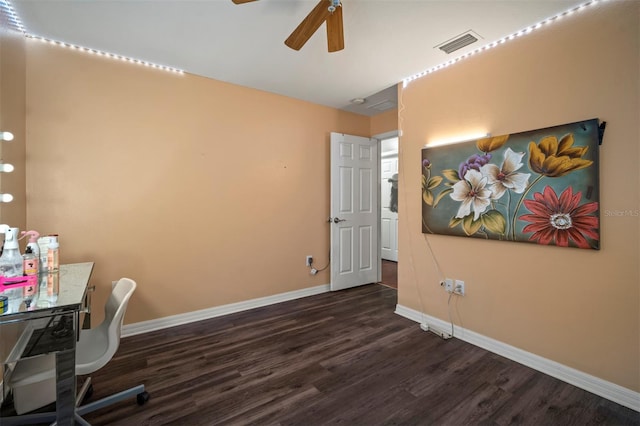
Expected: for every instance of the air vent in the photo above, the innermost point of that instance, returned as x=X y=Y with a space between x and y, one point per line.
x=459 y=42
x=383 y=106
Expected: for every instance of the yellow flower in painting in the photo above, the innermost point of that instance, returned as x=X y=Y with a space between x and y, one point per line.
x=491 y=144
x=555 y=158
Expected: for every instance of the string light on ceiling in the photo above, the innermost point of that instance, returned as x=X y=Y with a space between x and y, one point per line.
x=106 y=54
x=503 y=40
x=14 y=20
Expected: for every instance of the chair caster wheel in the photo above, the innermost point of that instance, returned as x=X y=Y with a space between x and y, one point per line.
x=142 y=397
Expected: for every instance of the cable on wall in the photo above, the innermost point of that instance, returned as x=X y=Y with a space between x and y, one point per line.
x=401 y=167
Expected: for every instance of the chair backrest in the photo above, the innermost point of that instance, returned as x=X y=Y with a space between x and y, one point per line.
x=116 y=306
x=98 y=345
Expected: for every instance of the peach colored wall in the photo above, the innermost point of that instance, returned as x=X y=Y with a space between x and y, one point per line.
x=384 y=122
x=205 y=193
x=12 y=118
x=577 y=307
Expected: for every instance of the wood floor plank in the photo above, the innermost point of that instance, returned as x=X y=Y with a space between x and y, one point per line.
x=339 y=358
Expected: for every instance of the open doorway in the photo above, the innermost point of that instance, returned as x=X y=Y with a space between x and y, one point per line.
x=389 y=211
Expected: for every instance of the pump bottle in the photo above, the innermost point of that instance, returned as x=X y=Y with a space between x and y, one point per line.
x=11 y=259
x=33 y=242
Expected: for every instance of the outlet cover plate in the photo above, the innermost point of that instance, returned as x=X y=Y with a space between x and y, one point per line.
x=448 y=285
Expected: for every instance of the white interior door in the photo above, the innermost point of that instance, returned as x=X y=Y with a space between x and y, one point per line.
x=389 y=207
x=354 y=211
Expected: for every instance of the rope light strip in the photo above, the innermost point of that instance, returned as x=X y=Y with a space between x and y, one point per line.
x=14 y=19
x=15 y=22
x=503 y=40
x=105 y=54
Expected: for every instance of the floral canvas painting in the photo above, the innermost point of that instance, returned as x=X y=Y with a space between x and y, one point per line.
x=539 y=186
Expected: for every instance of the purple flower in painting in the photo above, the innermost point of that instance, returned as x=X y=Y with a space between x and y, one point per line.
x=426 y=163
x=475 y=162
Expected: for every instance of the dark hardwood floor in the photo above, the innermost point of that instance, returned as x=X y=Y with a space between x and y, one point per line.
x=335 y=358
x=389 y=273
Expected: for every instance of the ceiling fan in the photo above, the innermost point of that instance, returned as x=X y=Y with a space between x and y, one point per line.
x=329 y=11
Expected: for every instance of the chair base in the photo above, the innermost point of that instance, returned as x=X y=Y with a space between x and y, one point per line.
x=138 y=391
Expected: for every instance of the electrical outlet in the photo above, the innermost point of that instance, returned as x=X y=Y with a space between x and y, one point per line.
x=448 y=285
x=459 y=287
x=309 y=261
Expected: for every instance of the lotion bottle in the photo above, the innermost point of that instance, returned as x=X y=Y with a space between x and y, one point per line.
x=30 y=267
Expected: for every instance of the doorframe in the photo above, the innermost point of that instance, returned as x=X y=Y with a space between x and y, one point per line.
x=379 y=138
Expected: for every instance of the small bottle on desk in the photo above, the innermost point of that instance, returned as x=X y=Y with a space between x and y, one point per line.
x=53 y=259
x=53 y=283
x=30 y=267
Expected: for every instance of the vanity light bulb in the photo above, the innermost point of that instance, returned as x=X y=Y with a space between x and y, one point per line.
x=6 y=136
x=6 y=167
x=6 y=198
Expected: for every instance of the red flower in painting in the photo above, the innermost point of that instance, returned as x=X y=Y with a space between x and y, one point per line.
x=558 y=220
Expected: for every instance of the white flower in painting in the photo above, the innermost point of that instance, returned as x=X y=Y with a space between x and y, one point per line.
x=472 y=192
x=505 y=177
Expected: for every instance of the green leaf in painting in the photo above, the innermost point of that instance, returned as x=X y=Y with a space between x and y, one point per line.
x=471 y=226
x=451 y=175
x=454 y=222
x=427 y=197
x=495 y=222
x=441 y=195
x=434 y=181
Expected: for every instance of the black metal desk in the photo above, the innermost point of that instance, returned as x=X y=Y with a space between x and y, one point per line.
x=39 y=312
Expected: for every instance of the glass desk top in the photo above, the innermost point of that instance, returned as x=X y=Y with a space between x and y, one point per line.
x=71 y=281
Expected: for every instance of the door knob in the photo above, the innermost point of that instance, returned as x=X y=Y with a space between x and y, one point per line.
x=337 y=220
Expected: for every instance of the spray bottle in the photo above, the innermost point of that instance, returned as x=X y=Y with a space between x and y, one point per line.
x=11 y=259
x=33 y=241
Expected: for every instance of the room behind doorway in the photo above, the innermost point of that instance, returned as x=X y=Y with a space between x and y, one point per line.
x=389 y=211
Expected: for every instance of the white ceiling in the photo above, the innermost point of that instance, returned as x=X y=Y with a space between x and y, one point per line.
x=385 y=41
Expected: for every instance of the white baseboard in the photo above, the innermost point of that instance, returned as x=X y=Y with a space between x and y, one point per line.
x=600 y=387
x=173 y=320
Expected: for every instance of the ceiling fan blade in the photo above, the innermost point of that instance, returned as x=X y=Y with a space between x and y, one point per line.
x=335 y=32
x=309 y=25
x=242 y=1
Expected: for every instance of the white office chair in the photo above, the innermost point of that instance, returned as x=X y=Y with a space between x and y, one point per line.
x=33 y=380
